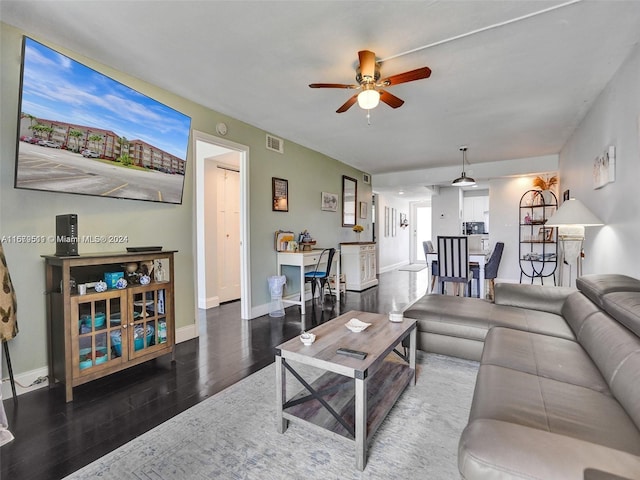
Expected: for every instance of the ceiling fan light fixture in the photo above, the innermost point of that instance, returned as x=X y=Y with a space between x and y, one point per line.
x=368 y=99
x=463 y=180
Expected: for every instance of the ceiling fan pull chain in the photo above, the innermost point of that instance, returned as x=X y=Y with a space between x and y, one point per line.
x=369 y=117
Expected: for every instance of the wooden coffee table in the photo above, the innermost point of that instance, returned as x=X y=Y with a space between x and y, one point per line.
x=354 y=396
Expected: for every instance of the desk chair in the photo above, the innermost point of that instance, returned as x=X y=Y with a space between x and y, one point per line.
x=490 y=269
x=427 y=246
x=318 y=277
x=453 y=263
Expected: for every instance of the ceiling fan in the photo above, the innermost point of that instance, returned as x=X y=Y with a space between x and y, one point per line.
x=368 y=78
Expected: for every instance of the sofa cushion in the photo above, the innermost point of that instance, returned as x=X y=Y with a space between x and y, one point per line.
x=576 y=309
x=549 y=357
x=625 y=308
x=520 y=398
x=595 y=286
x=533 y=297
x=471 y=318
x=491 y=449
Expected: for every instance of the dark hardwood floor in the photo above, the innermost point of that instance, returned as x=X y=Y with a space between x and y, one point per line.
x=54 y=438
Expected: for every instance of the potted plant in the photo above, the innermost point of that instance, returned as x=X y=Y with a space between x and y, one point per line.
x=545 y=185
x=358 y=229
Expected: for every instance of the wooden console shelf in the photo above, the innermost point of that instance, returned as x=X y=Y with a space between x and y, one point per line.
x=99 y=333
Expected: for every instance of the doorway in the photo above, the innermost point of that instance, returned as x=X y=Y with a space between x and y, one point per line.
x=222 y=222
x=421 y=221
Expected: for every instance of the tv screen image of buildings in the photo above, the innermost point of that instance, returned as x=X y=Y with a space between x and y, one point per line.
x=82 y=132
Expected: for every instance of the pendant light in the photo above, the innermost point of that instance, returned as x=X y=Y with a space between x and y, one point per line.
x=463 y=180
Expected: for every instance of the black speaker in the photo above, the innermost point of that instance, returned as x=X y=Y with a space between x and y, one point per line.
x=67 y=235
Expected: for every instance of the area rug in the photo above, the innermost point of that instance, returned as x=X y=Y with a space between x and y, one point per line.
x=232 y=435
x=414 y=267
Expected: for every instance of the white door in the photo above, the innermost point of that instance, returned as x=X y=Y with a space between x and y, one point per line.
x=421 y=213
x=228 y=252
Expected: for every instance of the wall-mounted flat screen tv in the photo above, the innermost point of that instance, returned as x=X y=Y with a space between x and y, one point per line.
x=81 y=132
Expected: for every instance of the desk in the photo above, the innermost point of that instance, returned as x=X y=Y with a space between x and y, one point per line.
x=479 y=257
x=302 y=260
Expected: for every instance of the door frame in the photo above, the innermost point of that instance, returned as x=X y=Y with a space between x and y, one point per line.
x=199 y=186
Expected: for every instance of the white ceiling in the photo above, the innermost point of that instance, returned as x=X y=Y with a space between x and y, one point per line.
x=510 y=92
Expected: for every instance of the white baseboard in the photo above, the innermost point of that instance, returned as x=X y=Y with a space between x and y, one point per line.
x=390 y=268
x=259 y=310
x=26 y=378
x=187 y=333
x=209 y=302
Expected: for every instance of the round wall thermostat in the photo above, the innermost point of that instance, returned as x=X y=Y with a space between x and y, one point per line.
x=221 y=128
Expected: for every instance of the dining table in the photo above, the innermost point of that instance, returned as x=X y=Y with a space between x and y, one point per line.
x=479 y=257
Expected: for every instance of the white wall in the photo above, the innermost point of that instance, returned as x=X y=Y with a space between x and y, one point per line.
x=446 y=212
x=393 y=252
x=504 y=198
x=614 y=119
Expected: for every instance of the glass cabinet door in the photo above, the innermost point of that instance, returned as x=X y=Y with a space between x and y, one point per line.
x=97 y=331
x=149 y=313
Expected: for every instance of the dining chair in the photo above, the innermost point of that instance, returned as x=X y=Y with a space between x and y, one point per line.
x=490 y=269
x=453 y=263
x=427 y=246
x=318 y=277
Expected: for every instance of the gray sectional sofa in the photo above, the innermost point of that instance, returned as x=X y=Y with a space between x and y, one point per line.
x=558 y=390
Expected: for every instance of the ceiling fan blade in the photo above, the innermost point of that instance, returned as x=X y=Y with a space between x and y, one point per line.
x=332 y=85
x=417 y=74
x=367 y=64
x=348 y=104
x=390 y=99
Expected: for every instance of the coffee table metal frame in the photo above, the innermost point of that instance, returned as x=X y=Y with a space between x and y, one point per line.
x=354 y=396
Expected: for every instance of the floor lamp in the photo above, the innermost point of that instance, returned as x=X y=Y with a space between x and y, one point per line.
x=571 y=218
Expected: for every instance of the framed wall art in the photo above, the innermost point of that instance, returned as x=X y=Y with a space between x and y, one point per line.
x=280 y=193
x=329 y=202
x=604 y=168
x=393 y=222
x=363 y=209
x=386 y=221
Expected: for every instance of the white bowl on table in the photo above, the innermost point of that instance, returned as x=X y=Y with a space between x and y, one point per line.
x=307 y=338
x=356 y=326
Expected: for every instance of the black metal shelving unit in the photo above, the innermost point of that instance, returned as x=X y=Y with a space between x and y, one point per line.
x=538 y=244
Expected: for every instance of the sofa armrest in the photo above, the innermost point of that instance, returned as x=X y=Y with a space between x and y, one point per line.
x=534 y=297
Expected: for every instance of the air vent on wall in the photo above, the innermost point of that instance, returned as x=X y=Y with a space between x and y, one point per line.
x=274 y=143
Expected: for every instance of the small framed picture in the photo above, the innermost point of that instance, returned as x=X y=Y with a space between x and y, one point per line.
x=565 y=195
x=329 y=202
x=386 y=221
x=280 y=193
x=363 y=209
x=366 y=178
x=545 y=234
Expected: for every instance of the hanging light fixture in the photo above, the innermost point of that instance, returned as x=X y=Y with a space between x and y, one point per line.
x=463 y=180
x=369 y=97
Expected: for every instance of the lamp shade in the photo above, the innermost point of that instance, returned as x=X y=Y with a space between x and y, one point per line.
x=573 y=213
x=368 y=99
x=463 y=181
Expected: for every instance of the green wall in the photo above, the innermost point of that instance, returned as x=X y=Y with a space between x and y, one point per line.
x=24 y=212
